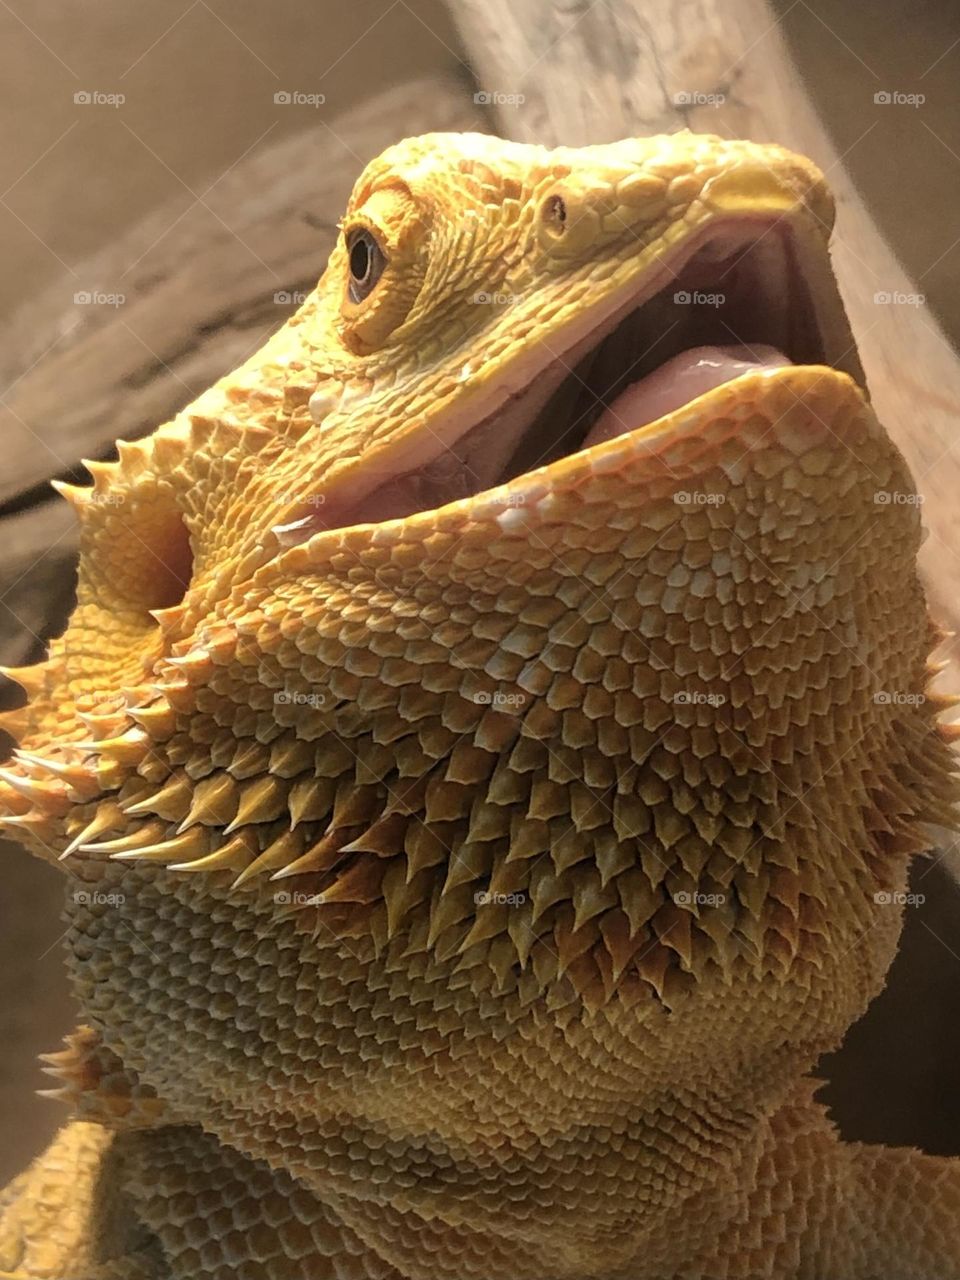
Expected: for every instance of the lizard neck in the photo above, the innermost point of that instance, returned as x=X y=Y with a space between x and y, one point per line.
x=460 y=1121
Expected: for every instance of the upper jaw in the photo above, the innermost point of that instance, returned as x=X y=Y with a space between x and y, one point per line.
x=754 y=278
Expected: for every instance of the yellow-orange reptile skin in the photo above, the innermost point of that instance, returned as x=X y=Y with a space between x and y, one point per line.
x=468 y=896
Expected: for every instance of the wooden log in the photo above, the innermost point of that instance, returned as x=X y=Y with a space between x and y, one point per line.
x=597 y=72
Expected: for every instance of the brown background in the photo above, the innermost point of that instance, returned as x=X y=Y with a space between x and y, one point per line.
x=199 y=81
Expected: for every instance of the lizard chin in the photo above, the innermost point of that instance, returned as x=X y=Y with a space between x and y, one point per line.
x=752 y=295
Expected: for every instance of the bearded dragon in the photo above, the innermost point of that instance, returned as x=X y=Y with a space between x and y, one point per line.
x=486 y=756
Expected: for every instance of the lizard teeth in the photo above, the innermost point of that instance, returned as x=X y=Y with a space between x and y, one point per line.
x=292 y=534
x=324 y=400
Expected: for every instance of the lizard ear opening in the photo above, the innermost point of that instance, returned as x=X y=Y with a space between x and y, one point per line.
x=175 y=558
x=137 y=555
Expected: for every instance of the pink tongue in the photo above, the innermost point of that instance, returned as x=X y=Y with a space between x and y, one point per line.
x=678 y=381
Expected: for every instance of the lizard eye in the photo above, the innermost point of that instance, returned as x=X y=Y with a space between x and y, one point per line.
x=381 y=263
x=367 y=261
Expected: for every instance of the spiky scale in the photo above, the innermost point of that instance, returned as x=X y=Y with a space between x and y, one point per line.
x=140 y=837
x=107 y=817
x=281 y=852
x=170 y=802
x=31 y=679
x=77 y=495
x=48 y=797
x=260 y=801
x=215 y=802
x=186 y=847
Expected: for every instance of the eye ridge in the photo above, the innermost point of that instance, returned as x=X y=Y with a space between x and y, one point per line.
x=367 y=261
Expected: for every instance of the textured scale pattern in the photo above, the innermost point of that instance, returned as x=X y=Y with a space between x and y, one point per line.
x=467 y=895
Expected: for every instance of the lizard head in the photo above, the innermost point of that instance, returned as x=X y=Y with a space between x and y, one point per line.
x=491 y=309
x=526 y=605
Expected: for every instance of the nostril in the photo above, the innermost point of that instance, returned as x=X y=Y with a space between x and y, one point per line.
x=554 y=212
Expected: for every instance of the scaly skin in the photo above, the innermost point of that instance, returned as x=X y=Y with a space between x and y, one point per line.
x=469 y=894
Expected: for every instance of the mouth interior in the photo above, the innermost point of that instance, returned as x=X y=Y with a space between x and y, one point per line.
x=739 y=303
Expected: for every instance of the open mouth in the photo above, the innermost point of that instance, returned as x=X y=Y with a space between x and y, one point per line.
x=745 y=295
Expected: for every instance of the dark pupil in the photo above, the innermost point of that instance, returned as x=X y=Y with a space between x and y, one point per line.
x=360 y=259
